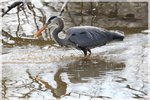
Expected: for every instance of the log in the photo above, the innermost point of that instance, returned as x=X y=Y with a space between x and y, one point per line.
x=26 y=40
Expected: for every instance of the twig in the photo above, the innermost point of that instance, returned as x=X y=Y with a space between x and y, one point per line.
x=29 y=4
x=86 y=95
x=72 y=20
x=128 y=86
x=11 y=7
x=18 y=21
x=25 y=14
x=4 y=33
x=81 y=13
x=4 y=82
x=62 y=8
x=43 y=16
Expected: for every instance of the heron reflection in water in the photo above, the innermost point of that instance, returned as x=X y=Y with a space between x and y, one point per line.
x=81 y=37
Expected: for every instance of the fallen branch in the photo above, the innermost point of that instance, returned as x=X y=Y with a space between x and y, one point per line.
x=26 y=40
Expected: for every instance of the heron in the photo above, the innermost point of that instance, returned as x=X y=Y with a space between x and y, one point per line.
x=81 y=37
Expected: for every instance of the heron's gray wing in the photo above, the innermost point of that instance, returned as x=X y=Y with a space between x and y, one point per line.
x=87 y=37
x=82 y=39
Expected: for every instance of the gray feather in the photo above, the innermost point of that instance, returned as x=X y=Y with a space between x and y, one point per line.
x=87 y=36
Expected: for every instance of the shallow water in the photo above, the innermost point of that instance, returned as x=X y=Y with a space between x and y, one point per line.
x=118 y=70
x=52 y=72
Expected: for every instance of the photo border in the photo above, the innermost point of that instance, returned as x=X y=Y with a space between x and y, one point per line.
x=148 y=1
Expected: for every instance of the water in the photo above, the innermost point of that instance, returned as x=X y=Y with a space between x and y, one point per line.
x=118 y=70
x=42 y=72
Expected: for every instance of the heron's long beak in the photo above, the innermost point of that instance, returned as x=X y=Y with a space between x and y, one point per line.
x=39 y=32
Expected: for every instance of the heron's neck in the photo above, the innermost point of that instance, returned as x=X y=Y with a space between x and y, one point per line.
x=55 y=33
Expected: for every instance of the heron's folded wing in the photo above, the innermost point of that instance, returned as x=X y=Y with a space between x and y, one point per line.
x=82 y=39
x=87 y=37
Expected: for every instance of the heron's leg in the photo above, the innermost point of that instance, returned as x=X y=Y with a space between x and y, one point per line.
x=85 y=52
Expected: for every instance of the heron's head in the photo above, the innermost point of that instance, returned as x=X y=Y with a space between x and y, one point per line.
x=51 y=19
x=39 y=32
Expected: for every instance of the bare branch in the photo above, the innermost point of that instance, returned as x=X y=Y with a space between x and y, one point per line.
x=25 y=14
x=18 y=10
x=72 y=20
x=30 y=6
x=11 y=7
x=81 y=13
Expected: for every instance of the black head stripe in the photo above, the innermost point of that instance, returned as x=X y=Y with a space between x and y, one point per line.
x=51 y=18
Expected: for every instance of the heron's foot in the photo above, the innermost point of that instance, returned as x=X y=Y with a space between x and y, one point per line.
x=87 y=57
x=85 y=51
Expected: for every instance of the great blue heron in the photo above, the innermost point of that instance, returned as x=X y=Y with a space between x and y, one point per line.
x=81 y=37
